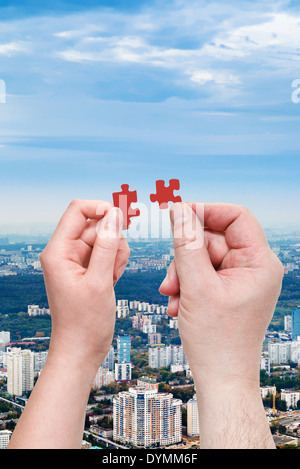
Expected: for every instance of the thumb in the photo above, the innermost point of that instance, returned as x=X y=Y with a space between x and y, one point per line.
x=106 y=245
x=192 y=259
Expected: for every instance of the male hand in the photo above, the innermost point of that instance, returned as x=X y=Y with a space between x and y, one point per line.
x=223 y=284
x=82 y=262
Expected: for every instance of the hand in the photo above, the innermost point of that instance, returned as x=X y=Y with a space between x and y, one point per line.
x=82 y=262
x=223 y=284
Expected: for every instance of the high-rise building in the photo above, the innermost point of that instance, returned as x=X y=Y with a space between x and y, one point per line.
x=123 y=348
x=123 y=365
x=288 y=323
x=4 y=438
x=290 y=397
x=192 y=417
x=144 y=418
x=103 y=377
x=164 y=356
x=295 y=324
x=40 y=360
x=154 y=338
x=20 y=371
x=123 y=371
x=108 y=361
x=279 y=352
x=5 y=337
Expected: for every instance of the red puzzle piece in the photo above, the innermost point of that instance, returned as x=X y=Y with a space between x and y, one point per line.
x=164 y=194
x=123 y=200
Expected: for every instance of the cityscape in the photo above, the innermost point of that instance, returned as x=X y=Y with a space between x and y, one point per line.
x=143 y=395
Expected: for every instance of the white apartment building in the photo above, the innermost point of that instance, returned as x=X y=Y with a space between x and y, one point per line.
x=145 y=307
x=5 y=337
x=149 y=328
x=122 y=303
x=192 y=417
x=165 y=356
x=283 y=352
x=144 y=417
x=173 y=323
x=141 y=320
x=265 y=364
x=288 y=323
x=267 y=390
x=20 y=371
x=40 y=360
x=35 y=310
x=4 y=438
x=122 y=312
x=103 y=377
x=122 y=371
x=290 y=397
x=109 y=360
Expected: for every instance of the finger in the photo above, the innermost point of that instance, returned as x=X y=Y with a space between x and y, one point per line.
x=106 y=246
x=217 y=247
x=74 y=220
x=173 y=306
x=170 y=285
x=240 y=226
x=121 y=259
x=191 y=255
x=89 y=236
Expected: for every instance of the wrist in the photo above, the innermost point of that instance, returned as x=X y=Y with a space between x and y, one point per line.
x=231 y=415
x=79 y=367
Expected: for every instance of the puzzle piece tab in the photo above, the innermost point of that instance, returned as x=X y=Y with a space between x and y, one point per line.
x=164 y=194
x=123 y=200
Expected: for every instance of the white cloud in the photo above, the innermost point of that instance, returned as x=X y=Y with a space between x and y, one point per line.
x=202 y=77
x=11 y=47
x=276 y=33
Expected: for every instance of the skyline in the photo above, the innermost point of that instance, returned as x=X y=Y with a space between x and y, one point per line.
x=97 y=97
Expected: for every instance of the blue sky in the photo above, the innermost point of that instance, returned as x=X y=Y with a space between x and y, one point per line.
x=101 y=93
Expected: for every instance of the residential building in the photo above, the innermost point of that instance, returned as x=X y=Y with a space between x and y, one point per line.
x=123 y=348
x=192 y=417
x=4 y=438
x=40 y=360
x=144 y=418
x=290 y=397
x=20 y=371
x=35 y=310
x=295 y=324
x=108 y=361
x=154 y=338
x=147 y=383
x=103 y=377
x=123 y=371
x=164 y=356
x=288 y=323
x=5 y=337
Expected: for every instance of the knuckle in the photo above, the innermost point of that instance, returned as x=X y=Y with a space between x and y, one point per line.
x=245 y=210
x=47 y=259
x=278 y=266
x=75 y=203
x=44 y=257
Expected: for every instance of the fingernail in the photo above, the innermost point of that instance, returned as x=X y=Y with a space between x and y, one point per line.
x=111 y=225
x=171 y=302
x=114 y=219
x=121 y=271
x=164 y=282
x=180 y=214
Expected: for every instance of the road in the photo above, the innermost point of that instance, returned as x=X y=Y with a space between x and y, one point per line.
x=12 y=403
x=105 y=440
